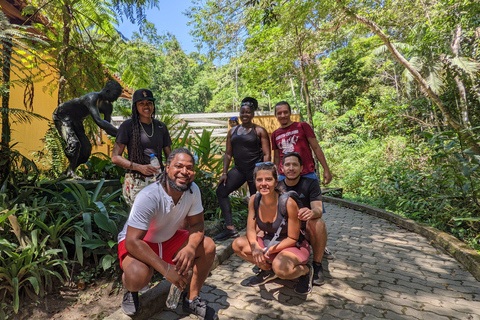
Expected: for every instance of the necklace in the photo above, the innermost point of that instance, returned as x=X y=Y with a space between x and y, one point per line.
x=153 y=129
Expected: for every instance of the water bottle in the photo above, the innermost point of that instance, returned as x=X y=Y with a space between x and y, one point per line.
x=154 y=162
x=173 y=297
x=175 y=293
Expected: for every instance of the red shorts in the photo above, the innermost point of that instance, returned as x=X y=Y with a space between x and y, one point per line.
x=167 y=248
x=302 y=252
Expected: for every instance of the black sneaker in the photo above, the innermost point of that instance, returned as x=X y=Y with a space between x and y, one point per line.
x=304 y=284
x=226 y=234
x=199 y=308
x=130 y=303
x=318 y=277
x=327 y=254
x=262 y=277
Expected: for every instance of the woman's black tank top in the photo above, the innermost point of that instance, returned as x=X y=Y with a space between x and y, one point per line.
x=270 y=228
x=246 y=149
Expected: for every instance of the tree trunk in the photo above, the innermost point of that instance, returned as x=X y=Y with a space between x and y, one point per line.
x=304 y=80
x=5 y=142
x=460 y=85
x=458 y=127
x=64 y=53
x=293 y=93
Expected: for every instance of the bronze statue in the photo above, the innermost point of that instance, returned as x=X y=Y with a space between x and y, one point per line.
x=69 y=116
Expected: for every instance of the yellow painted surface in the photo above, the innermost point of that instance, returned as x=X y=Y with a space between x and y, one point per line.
x=28 y=135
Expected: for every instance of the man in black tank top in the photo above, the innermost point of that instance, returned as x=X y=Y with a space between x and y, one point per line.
x=310 y=195
x=247 y=144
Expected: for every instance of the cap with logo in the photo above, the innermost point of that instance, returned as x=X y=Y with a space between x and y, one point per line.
x=142 y=94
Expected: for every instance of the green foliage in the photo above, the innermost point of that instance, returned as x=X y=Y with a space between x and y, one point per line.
x=209 y=167
x=101 y=216
x=51 y=157
x=20 y=171
x=99 y=166
x=433 y=181
x=23 y=269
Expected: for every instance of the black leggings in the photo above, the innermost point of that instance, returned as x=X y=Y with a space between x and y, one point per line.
x=235 y=179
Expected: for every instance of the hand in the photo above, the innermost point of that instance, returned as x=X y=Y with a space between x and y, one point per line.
x=148 y=169
x=180 y=281
x=258 y=256
x=305 y=214
x=223 y=179
x=184 y=260
x=327 y=177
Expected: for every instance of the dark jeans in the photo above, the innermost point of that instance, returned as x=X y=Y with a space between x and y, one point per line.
x=235 y=179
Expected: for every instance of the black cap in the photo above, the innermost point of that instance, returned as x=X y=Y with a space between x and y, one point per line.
x=142 y=94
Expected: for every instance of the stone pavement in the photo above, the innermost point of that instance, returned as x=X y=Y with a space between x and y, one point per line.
x=380 y=272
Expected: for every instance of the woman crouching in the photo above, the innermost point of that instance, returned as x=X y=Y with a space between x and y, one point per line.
x=278 y=253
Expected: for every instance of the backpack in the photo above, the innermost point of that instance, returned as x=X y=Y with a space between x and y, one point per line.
x=282 y=200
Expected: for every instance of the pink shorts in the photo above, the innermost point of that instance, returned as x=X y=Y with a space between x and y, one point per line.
x=302 y=252
x=168 y=248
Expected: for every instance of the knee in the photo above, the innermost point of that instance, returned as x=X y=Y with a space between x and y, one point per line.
x=137 y=275
x=221 y=191
x=209 y=246
x=316 y=228
x=281 y=269
x=239 y=244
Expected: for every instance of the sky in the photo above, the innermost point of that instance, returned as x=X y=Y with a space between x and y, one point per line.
x=169 y=18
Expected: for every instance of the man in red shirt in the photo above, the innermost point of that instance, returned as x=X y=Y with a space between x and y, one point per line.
x=297 y=137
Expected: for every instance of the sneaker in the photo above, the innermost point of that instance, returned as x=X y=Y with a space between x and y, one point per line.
x=227 y=234
x=262 y=277
x=318 y=277
x=304 y=284
x=199 y=308
x=144 y=289
x=327 y=254
x=130 y=303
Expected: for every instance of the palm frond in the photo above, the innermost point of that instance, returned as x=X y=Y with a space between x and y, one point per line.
x=465 y=64
x=397 y=45
x=22 y=116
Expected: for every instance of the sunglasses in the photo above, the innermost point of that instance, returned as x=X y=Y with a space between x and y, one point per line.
x=268 y=163
x=288 y=154
x=247 y=103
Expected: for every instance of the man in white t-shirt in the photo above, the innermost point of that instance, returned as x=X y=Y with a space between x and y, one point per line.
x=152 y=240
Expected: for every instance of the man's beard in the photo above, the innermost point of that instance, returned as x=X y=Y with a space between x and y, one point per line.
x=176 y=187
x=292 y=179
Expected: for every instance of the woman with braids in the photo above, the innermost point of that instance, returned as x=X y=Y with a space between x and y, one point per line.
x=142 y=135
x=247 y=144
x=282 y=251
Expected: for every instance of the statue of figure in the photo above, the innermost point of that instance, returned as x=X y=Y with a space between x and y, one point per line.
x=69 y=116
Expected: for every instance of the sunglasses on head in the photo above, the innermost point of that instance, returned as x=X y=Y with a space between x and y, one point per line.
x=268 y=163
x=288 y=154
x=247 y=103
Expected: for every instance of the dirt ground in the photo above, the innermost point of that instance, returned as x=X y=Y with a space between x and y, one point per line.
x=96 y=301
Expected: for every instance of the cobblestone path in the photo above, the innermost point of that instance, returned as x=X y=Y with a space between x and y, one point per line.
x=380 y=272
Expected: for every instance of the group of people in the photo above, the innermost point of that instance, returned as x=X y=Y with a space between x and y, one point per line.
x=165 y=228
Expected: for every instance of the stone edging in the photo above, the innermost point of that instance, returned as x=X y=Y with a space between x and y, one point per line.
x=468 y=257
x=153 y=301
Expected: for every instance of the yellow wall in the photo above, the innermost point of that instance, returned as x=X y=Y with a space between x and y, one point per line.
x=28 y=135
